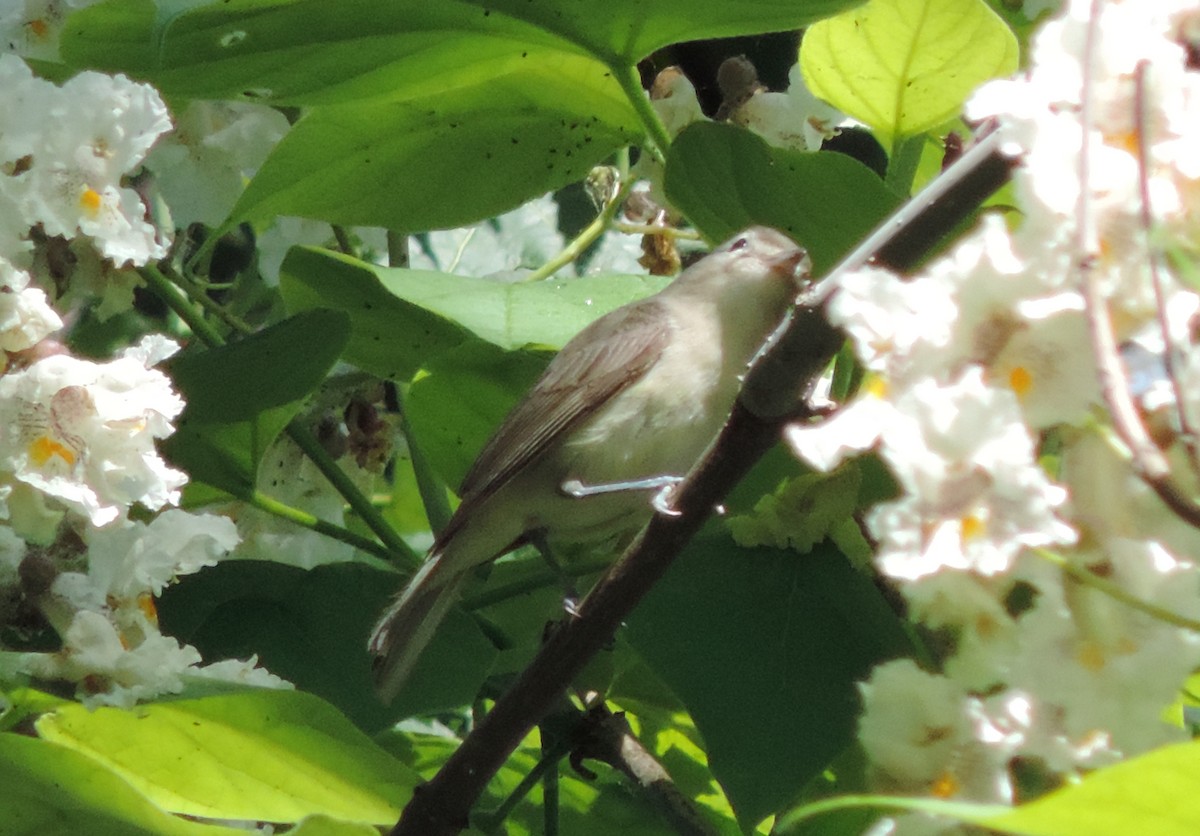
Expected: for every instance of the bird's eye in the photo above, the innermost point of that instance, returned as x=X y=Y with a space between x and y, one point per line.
x=739 y=244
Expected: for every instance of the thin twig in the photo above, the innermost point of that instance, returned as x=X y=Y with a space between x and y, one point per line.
x=1170 y=355
x=1148 y=460
x=611 y=741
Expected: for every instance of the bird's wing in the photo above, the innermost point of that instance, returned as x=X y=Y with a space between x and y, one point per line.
x=607 y=356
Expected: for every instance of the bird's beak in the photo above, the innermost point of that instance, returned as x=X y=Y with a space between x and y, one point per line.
x=793 y=264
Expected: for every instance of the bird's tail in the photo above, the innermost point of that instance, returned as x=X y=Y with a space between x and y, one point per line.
x=410 y=622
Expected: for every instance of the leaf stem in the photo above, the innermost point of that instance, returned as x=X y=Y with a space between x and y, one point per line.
x=304 y=519
x=902 y=165
x=1114 y=591
x=587 y=236
x=357 y=501
x=627 y=76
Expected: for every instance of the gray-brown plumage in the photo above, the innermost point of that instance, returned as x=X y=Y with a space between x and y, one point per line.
x=637 y=394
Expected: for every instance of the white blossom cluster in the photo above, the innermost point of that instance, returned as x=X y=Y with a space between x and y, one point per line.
x=77 y=436
x=986 y=354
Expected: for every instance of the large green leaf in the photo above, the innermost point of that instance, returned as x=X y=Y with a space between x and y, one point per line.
x=459 y=399
x=426 y=115
x=725 y=178
x=261 y=755
x=1153 y=793
x=241 y=396
x=50 y=790
x=311 y=627
x=447 y=158
x=317 y=52
x=906 y=66
x=400 y=319
x=764 y=648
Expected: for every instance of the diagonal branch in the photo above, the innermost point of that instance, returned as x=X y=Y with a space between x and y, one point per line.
x=773 y=394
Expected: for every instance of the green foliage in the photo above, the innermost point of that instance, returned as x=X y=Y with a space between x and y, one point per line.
x=764 y=649
x=1147 y=794
x=725 y=179
x=295 y=756
x=50 y=790
x=906 y=66
x=241 y=396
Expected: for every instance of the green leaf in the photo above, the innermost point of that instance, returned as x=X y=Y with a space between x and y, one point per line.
x=725 y=178
x=311 y=628
x=241 y=396
x=906 y=66
x=314 y=51
x=459 y=399
x=424 y=116
x=262 y=755
x=326 y=826
x=389 y=336
x=449 y=158
x=48 y=790
x=787 y=638
x=1154 y=793
x=400 y=319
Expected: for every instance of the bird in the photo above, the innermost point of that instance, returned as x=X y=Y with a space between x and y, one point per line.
x=626 y=405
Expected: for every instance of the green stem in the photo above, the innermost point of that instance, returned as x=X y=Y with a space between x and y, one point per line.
x=656 y=131
x=491 y=821
x=431 y=488
x=359 y=503
x=170 y=293
x=588 y=236
x=397 y=247
x=902 y=166
x=304 y=519
x=1114 y=591
x=175 y=298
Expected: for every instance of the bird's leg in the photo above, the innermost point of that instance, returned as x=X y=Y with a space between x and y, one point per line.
x=577 y=490
x=662 y=485
x=537 y=539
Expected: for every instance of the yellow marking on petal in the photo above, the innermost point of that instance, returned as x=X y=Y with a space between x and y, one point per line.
x=91 y=201
x=43 y=448
x=944 y=786
x=876 y=387
x=1126 y=141
x=1020 y=380
x=145 y=603
x=39 y=28
x=972 y=527
x=1091 y=656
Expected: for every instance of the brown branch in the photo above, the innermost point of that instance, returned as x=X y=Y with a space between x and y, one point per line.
x=772 y=395
x=608 y=738
x=1170 y=355
x=1149 y=462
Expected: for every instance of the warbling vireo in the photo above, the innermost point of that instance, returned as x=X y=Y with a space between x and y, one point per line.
x=635 y=396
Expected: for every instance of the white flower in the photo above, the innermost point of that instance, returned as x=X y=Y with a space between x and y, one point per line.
x=84 y=432
x=796 y=119
x=1103 y=667
x=68 y=150
x=924 y=733
x=129 y=559
x=202 y=167
x=974 y=494
x=25 y=316
x=95 y=655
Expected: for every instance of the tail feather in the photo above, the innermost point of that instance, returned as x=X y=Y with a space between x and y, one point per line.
x=409 y=624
